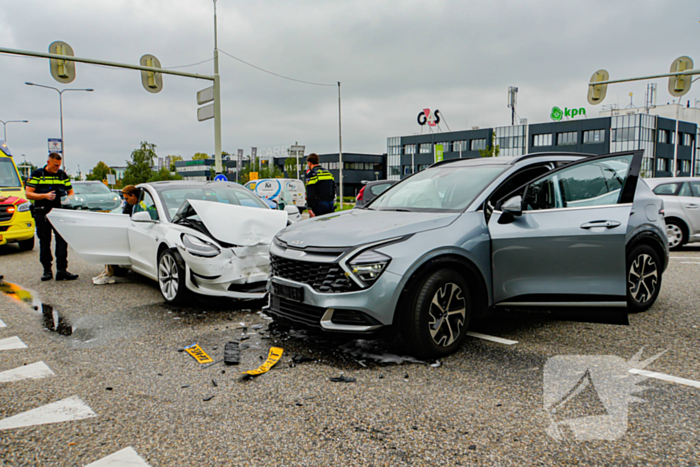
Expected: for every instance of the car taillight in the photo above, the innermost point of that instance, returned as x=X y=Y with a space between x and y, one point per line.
x=361 y=194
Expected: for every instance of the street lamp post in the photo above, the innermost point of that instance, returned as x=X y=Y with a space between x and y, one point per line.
x=4 y=126
x=60 y=103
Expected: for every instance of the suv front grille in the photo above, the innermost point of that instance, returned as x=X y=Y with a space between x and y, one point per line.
x=298 y=312
x=322 y=277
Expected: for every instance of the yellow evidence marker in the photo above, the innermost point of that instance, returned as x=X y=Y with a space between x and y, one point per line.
x=198 y=354
x=272 y=358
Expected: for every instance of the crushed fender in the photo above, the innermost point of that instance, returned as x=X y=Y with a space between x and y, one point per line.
x=273 y=357
x=198 y=353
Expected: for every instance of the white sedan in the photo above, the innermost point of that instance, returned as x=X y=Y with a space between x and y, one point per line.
x=209 y=238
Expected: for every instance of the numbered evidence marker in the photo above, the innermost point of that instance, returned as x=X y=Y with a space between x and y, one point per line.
x=272 y=359
x=198 y=354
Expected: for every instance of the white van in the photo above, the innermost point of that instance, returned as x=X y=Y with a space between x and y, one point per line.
x=283 y=191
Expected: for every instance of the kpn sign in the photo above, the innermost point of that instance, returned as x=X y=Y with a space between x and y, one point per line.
x=557 y=114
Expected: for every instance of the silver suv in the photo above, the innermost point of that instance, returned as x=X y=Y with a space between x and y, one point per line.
x=449 y=243
x=681 y=197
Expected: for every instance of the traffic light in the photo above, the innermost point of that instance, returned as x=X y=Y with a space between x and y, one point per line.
x=679 y=85
x=152 y=81
x=62 y=71
x=596 y=93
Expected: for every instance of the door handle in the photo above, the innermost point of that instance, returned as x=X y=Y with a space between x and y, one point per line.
x=606 y=224
x=691 y=206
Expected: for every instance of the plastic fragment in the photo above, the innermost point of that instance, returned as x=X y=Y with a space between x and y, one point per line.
x=437 y=364
x=272 y=358
x=302 y=359
x=213 y=381
x=232 y=353
x=343 y=379
x=184 y=386
x=207 y=399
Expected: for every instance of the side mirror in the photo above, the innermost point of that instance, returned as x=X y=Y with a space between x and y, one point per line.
x=513 y=206
x=291 y=210
x=142 y=216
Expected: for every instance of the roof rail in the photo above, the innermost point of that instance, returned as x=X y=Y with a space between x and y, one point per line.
x=550 y=153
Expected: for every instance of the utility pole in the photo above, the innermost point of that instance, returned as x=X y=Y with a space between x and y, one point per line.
x=340 y=149
x=217 y=101
x=4 y=126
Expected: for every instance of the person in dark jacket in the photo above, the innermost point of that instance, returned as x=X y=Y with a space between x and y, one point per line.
x=320 y=188
x=46 y=187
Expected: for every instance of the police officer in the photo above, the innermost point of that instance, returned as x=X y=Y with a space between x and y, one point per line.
x=320 y=188
x=46 y=187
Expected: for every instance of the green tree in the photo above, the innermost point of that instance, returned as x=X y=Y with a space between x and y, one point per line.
x=199 y=156
x=100 y=172
x=493 y=150
x=138 y=170
x=290 y=166
x=174 y=159
x=164 y=174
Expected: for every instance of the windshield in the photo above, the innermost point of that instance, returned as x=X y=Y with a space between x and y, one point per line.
x=175 y=197
x=8 y=174
x=90 y=189
x=438 y=189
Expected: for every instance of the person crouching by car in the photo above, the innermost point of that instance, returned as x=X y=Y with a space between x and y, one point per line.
x=46 y=187
x=131 y=199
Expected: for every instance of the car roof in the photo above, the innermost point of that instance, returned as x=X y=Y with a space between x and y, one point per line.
x=162 y=185
x=652 y=182
x=506 y=160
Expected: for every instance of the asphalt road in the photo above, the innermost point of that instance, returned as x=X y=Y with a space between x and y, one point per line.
x=488 y=404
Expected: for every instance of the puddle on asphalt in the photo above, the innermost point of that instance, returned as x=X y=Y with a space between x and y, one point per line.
x=53 y=321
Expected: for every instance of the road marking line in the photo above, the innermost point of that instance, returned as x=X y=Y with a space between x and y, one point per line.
x=2 y=325
x=663 y=377
x=500 y=340
x=72 y=408
x=34 y=371
x=126 y=457
x=690 y=262
x=684 y=257
x=12 y=343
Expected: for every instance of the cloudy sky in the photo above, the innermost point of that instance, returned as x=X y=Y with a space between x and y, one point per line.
x=393 y=58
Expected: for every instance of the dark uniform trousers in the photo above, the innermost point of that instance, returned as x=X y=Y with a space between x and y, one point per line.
x=43 y=231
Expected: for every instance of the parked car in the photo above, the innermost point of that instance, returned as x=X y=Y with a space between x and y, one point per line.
x=371 y=190
x=283 y=191
x=452 y=241
x=91 y=196
x=681 y=197
x=208 y=238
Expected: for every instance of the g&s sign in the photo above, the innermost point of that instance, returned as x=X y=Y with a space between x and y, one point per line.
x=431 y=118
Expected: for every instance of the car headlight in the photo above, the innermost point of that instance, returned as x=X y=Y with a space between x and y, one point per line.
x=24 y=207
x=198 y=247
x=368 y=266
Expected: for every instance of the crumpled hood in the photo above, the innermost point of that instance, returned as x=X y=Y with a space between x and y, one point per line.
x=239 y=225
x=359 y=226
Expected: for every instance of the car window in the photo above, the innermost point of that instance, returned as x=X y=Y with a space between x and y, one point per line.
x=695 y=189
x=146 y=204
x=379 y=188
x=90 y=189
x=519 y=179
x=8 y=174
x=667 y=189
x=685 y=190
x=595 y=183
x=173 y=198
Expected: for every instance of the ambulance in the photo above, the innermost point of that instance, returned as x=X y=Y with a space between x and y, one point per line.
x=16 y=221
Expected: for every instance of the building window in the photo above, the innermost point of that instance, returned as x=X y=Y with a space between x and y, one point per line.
x=542 y=140
x=407 y=170
x=425 y=148
x=593 y=136
x=685 y=166
x=687 y=141
x=458 y=146
x=663 y=136
x=477 y=144
x=394 y=170
x=396 y=150
x=423 y=167
x=622 y=134
x=566 y=139
x=409 y=149
x=661 y=165
x=445 y=146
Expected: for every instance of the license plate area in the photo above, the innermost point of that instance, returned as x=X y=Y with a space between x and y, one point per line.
x=288 y=292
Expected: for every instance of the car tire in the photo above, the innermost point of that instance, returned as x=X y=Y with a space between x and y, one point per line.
x=438 y=314
x=26 y=245
x=644 y=273
x=676 y=233
x=171 y=277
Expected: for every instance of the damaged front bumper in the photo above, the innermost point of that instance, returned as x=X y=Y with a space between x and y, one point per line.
x=235 y=273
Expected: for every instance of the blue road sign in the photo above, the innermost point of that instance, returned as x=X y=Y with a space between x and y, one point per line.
x=221 y=178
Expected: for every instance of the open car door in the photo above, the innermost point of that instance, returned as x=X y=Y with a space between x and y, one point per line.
x=97 y=237
x=560 y=240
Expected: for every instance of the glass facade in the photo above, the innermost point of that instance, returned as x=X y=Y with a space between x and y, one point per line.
x=593 y=136
x=542 y=140
x=393 y=151
x=567 y=138
x=477 y=144
x=629 y=132
x=511 y=140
